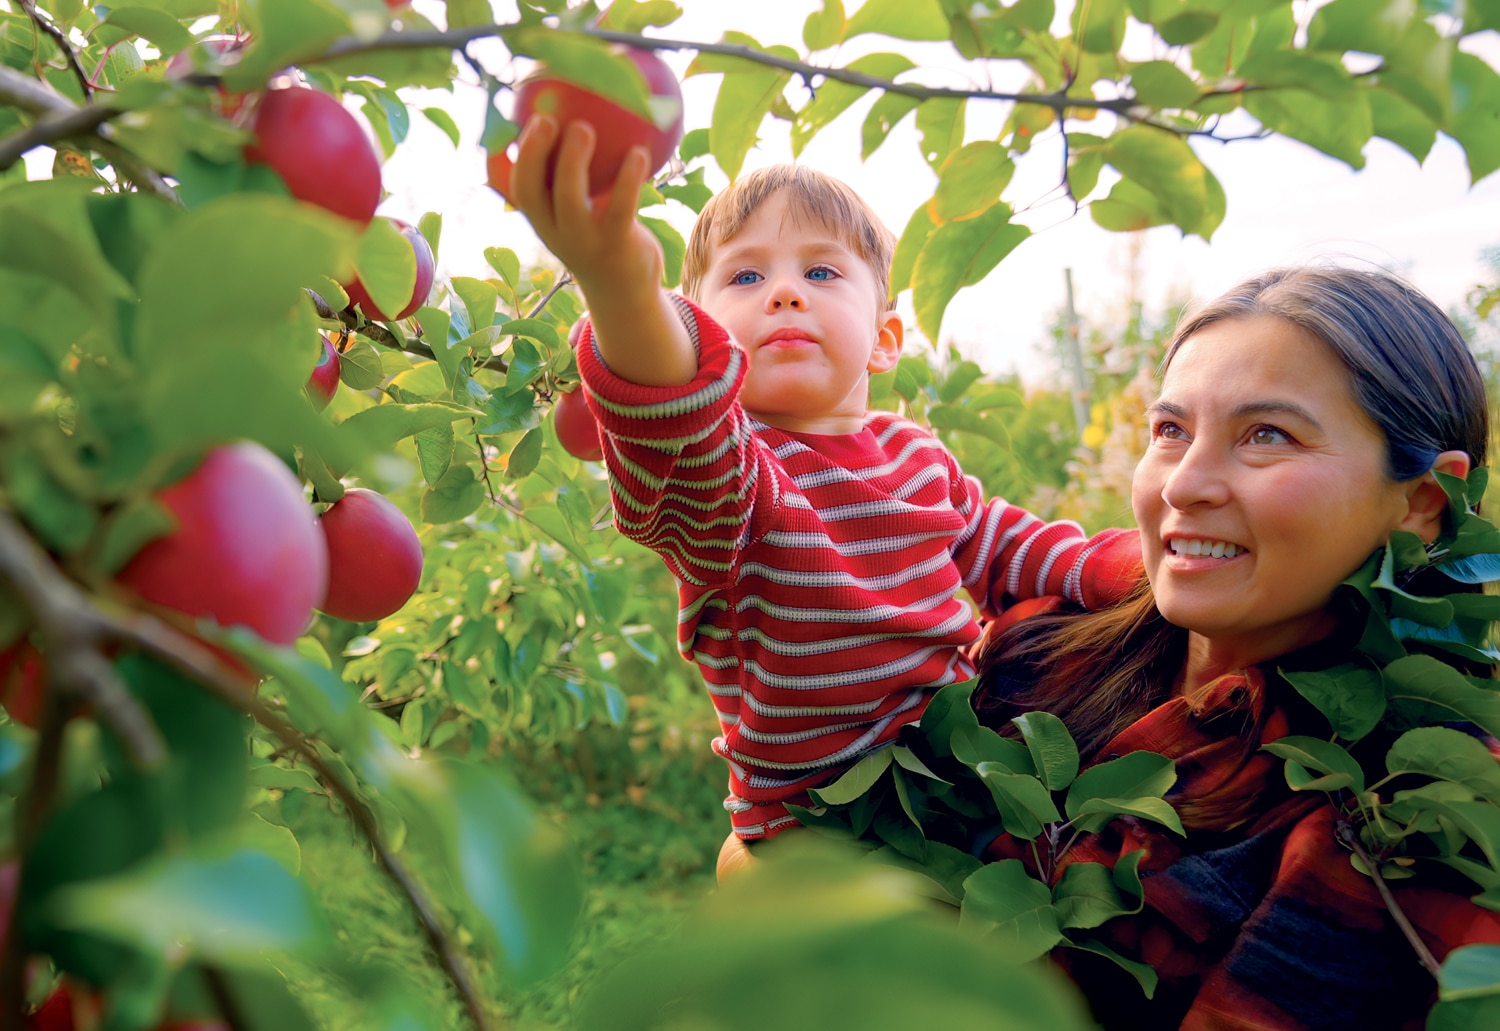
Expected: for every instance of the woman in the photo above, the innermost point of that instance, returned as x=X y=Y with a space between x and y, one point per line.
x=1304 y=418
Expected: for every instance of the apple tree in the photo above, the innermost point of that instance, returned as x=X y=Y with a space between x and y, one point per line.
x=210 y=431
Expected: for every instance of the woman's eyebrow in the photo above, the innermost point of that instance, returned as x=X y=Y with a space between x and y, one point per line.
x=1244 y=410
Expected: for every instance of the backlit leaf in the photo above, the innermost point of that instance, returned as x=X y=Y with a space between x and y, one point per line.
x=960 y=254
x=903 y=19
x=940 y=123
x=825 y=26
x=887 y=111
x=971 y=179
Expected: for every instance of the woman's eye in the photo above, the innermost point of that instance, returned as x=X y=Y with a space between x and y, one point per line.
x=821 y=275
x=1168 y=431
x=1267 y=435
x=745 y=278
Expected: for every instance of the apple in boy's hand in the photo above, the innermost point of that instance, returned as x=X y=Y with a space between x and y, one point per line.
x=616 y=128
x=319 y=149
x=577 y=429
x=426 y=272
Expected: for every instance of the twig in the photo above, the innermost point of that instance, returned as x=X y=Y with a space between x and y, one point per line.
x=1350 y=837
x=61 y=39
x=381 y=335
x=562 y=281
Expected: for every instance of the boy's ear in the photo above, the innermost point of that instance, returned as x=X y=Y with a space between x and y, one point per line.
x=888 y=343
x=1426 y=501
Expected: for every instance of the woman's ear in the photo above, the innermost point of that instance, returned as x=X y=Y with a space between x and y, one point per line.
x=888 y=343
x=1426 y=501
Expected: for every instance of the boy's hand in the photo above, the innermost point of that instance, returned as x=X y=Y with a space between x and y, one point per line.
x=615 y=259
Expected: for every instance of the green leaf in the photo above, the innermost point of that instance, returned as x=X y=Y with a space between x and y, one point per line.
x=1095 y=813
x=971 y=179
x=834 y=98
x=1431 y=691
x=458 y=493
x=1476 y=111
x=284 y=32
x=1086 y=896
x=1310 y=100
x=745 y=97
x=1015 y=907
x=973 y=745
x=1143 y=973
x=856 y=781
x=1166 y=167
x=551 y=521
x=1052 y=749
x=226 y=908
x=1161 y=84
x=940 y=122
x=908 y=760
x=824 y=27
x=1139 y=774
x=1447 y=754
x=1470 y=971
x=444 y=121
x=1369 y=26
x=673 y=249
x=360 y=367
x=524 y=457
x=509 y=410
x=1351 y=696
x=435 y=451
x=381 y=426
x=918 y=228
x=1099 y=25
x=506 y=264
x=635 y=15
x=1024 y=803
x=885 y=114
x=586 y=62
x=1309 y=753
x=904 y=19
x=960 y=254
x=158 y=28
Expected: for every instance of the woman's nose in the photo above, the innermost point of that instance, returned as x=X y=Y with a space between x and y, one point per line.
x=1198 y=478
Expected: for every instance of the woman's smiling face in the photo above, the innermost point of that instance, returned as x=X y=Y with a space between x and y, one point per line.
x=1263 y=487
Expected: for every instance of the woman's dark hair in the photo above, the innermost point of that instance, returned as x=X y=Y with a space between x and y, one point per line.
x=1410 y=371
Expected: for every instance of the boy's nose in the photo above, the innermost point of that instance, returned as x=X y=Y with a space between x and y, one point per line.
x=785 y=292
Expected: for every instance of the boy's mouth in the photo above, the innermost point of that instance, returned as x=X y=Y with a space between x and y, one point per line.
x=788 y=337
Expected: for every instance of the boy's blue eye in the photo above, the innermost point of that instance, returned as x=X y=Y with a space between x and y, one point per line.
x=745 y=278
x=821 y=275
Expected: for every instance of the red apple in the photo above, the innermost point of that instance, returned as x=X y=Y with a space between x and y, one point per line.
x=318 y=149
x=374 y=557
x=426 y=272
x=324 y=381
x=576 y=427
x=617 y=129
x=208 y=55
x=23 y=677
x=246 y=549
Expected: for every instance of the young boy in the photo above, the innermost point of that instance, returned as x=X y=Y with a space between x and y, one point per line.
x=819 y=549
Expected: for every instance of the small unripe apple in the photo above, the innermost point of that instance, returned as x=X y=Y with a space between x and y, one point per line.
x=577 y=429
x=246 y=551
x=374 y=557
x=616 y=128
x=23 y=679
x=426 y=272
x=207 y=54
x=318 y=149
x=324 y=381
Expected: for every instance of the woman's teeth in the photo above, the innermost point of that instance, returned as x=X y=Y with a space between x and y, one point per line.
x=1206 y=549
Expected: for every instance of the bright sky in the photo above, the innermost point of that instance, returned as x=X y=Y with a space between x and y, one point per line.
x=1287 y=203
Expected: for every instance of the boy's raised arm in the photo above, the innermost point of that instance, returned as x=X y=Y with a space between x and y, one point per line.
x=615 y=259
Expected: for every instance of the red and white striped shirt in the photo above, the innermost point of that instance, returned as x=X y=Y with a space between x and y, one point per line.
x=819 y=576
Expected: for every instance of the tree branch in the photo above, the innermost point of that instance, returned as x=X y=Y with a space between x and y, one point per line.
x=378 y=333
x=61 y=39
x=1350 y=837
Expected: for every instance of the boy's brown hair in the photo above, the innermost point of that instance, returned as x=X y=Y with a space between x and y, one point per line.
x=812 y=197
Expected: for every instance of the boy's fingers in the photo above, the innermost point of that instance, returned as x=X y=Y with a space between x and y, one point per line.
x=570 y=182
x=625 y=195
x=528 y=178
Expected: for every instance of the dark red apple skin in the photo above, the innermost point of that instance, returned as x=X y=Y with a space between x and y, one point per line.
x=374 y=557
x=577 y=429
x=247 y=549
x=23 y=680
x=616 y=129
x=319 y=150
x=324 y=381
x=426 y=273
